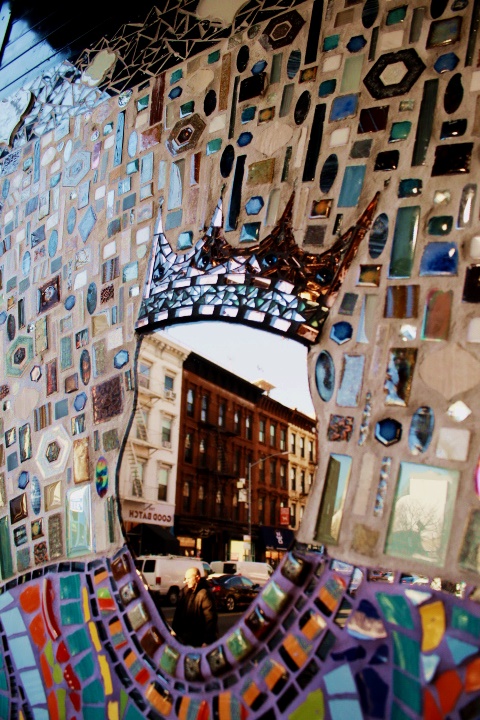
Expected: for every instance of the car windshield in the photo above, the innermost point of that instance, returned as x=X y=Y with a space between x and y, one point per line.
x=238 y=581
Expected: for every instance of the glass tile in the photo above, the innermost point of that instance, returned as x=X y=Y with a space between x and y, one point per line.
x=453 y=96
x=410 y=187
x=333 y=498
x=452 y=159
x=467 y=202
x=426 y=495
x=352 y=185
x=398 y=381
x=387 y=160
x=444 y=32
x=425 y=122
x=330 y=42
x=453 y=444
x=327 y=87
x=440 y=225
x=351 y=380
x=421 y=430
x=287 y=97
x=404 y=242
x=328 y=173
x=471 y=288
x=439 y=258
x=348 y=303
x=352 y=73
x=343 y=106
x=361 y=149
x=396 y=15
x=250 y=232
x=453 y=128
x=446 y=62
x=400 y=131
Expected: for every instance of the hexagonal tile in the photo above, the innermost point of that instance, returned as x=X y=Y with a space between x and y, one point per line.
x=254 y=205
x=49 y=462
x=80 y=401
x=36 y=373
x=388 y=431
x=341 y=332
x=393 y=73
x=282 y=30
x=19 y=355
x=374 y=78
x=53 y=451
x=185 y=134
x=76 y=169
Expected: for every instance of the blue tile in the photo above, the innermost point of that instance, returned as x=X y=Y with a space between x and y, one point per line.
x=352 y=185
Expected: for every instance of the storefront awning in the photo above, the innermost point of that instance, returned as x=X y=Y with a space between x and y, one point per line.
x=159 y=540
x=276 y=538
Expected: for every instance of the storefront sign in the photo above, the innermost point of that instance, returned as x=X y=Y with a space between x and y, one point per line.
x=285 y=516
x=150 y=513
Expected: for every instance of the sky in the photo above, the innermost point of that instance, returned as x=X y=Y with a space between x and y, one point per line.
x=254 y=355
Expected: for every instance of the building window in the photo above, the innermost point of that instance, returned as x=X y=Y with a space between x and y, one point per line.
x=303 y=489
x=293 y=478
x=235 y=506
x=204 y=409
x=283 y=439
x=261 y=431
x=236 y=460
x=310 y=451
x=186 y=496
x=302 y=510
x=202 y=448
x=167 y=433
x=188 y=456
x=201 y=505
x=273 y=511
x=144 y=374
x=219 y=503
x=293 y=514
x=310 y=480
x=168 y=383
x=190 y=402
x=163 y=474
x=302 y=446
x=137 y=485
x=221 y=415
x=261 y=471
x=248 y=427
x=220 y=458
x=283 y=476
x=237 y=421
x=273 y=473
x=273 y=435
x=261 y=510
x=293 y=443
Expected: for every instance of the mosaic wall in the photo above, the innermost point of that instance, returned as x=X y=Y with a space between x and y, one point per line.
x=308 y=170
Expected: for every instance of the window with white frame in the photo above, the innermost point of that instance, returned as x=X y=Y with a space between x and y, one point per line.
x=163 y=474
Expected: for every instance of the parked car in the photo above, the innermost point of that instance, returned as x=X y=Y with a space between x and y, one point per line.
x=164 y=573
x=257 y=572
x=232 y=591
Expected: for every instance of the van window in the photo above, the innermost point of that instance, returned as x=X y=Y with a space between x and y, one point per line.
x=149 y=566
x=229 y=568
x=206 y=568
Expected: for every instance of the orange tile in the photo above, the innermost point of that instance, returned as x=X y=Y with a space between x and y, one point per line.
x=52 y=707
x=37 y=631
x=46 y=672
x=472 y=676
x=30 y=599
x=449 y=688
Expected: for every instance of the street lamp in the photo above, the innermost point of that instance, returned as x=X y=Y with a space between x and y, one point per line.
x=250 y=465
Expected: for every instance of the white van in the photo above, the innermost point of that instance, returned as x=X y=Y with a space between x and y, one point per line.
x=164 y=573
x=257 y=572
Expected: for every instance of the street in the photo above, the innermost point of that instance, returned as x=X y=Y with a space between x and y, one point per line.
x=225 y=620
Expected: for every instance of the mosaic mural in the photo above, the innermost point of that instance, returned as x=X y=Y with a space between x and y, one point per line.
x=309 y=169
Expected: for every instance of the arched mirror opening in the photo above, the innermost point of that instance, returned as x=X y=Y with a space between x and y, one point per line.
x=219 y=460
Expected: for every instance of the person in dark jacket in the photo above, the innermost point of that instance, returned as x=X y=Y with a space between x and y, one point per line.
x=195 y=619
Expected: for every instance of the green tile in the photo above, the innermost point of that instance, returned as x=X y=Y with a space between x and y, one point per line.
x=94 y=693
x=86 y=667
x=71 y=614
x=78 y=641
x=406 y=653
x=408 y=691
x=463 y=620
x=70 y=587
x=395 y=610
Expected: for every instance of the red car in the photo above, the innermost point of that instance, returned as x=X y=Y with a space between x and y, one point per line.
x=232 y=591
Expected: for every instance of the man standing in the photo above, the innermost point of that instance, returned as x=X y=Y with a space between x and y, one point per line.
x=195 y=619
